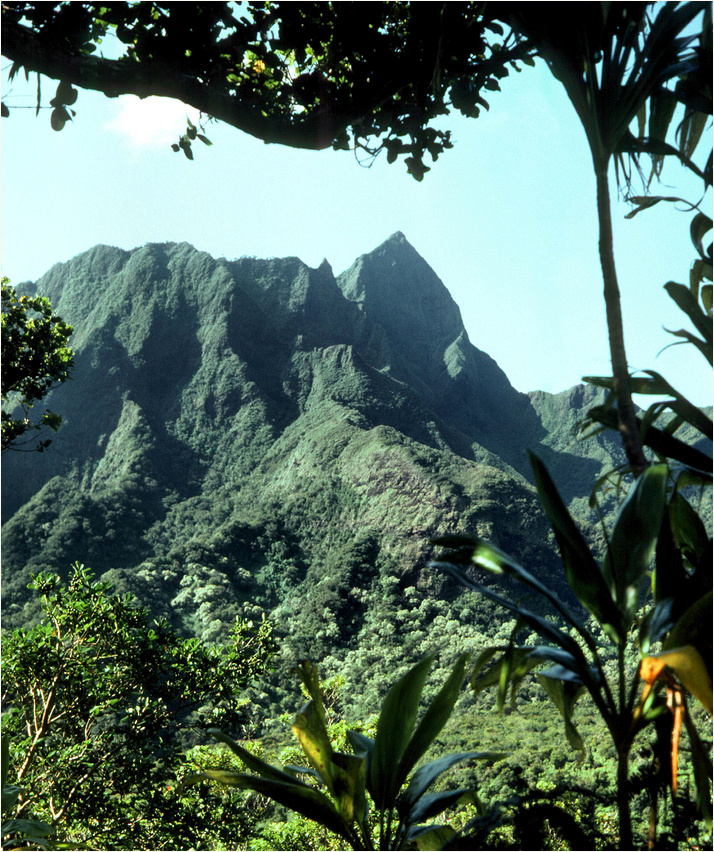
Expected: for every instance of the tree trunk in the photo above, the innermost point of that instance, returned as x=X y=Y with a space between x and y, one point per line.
x=623 y=799
x=629 y=429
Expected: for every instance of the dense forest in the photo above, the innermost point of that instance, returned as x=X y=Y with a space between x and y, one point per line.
x=294 y=565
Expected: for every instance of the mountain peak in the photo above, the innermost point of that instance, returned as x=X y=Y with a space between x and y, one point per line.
x=395 y=287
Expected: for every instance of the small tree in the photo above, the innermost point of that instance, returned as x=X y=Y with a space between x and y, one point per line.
x=35 y=359
x=95 y=697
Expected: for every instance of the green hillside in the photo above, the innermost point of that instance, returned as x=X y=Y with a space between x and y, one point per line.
x=256 y=435
x=256 y=439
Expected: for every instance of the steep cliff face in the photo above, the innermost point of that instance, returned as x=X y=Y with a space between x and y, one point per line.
x=431 y=351
x=244 y=432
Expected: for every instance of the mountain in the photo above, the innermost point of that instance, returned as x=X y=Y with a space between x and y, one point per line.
x=257 y=435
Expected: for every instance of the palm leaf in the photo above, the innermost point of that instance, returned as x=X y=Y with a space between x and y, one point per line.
x=394 y=731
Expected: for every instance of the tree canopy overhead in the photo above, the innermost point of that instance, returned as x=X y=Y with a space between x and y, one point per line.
x=307 y=75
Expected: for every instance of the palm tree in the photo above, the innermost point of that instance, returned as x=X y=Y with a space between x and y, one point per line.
x=614 y=60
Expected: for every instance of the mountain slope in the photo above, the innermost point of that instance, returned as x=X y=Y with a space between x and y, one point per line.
x=256 y=433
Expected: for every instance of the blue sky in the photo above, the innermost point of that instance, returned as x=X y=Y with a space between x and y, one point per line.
x=507 y=218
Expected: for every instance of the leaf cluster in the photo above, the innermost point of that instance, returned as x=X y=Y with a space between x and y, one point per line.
x=35 y=358
x=96 y=696
x=380 y=770
x=312 y=75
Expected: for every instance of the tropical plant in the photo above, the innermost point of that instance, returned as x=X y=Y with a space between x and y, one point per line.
x=658 y=555
x=380 y=770
x=94 y=695
x=613 y=62
x=682 y=578
x=611 y=590
x=35 y=359
x=616 y=64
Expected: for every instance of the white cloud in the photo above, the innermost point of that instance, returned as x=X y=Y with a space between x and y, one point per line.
x=151 y=122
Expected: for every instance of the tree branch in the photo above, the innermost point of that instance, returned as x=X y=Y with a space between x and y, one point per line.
x=313 y=130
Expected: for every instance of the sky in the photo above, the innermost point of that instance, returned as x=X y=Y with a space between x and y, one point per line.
x=507 y=218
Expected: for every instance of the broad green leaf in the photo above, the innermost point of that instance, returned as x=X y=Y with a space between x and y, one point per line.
x=394 y=730
x=309 y=728
x=669 y=573
x=251 y=761
x=361 y=744
x=655 y=624
x=490 y=558
x=36 y=833
x=563 y=660
x=659 y=440
x=349 y=783
x=66 y=93
x=485 y=657
x=564 y=694
x=686 y=302
x=432 y=838
x=299 y=797
x=426 y=775
x=10 y=795
x=433 y=804
x=508 y=672
x=558 y=672
x=657 y=384
x=694 y=626
x=436 y=716
x=455 y=540
x=688 y=530
x=634 y=538
x=687 y=337
x=58 y=118
x=701 y=225
x=541 y=625
x=582 y=571
x=308 y=674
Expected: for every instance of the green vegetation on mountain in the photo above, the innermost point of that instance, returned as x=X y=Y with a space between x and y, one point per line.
x=255 y=438
x=266 y=425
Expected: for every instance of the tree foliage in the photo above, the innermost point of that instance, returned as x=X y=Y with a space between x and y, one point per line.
x=95 y=698
x=308 y=75
x=35 y=359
